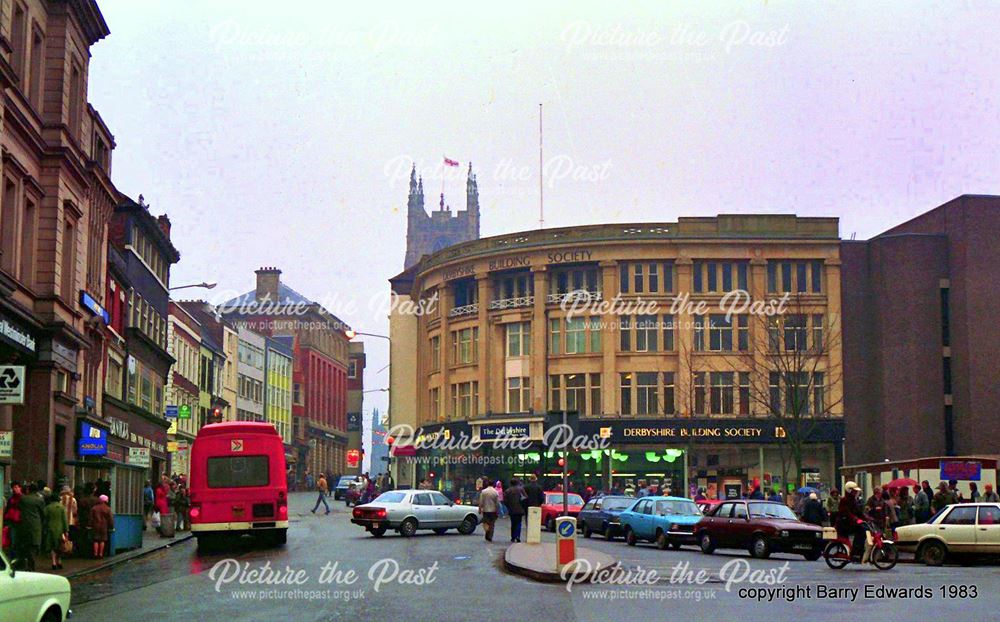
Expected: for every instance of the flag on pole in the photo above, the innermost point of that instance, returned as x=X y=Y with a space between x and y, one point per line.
x=449 y=162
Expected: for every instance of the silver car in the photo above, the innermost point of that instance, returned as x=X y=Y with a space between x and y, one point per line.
x=406 y=511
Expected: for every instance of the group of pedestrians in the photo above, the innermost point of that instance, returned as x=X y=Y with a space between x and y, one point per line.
x=515 y=499
x=37 y=520
x=167 y=507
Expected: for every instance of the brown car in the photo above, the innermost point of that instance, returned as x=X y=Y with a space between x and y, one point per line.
x=762 y=527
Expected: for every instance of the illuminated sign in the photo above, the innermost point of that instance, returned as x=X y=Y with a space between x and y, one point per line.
x=353 y=458
x=958 y=469
x=504 y=430
x=93 y=441
x=87 y=302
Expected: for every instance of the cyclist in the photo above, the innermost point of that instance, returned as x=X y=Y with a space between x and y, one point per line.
x=851 y=519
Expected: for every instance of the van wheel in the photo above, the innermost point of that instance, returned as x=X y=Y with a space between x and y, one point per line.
x=467 y=526
x=279 y=537
x=408 y=529
x=377 y=532
x=208 y=544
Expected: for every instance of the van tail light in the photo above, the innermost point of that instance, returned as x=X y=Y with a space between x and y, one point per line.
x=195 y=511
x=282 y=506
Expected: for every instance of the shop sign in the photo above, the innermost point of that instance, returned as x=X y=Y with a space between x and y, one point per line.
x=459 y=271
x=171 y=411
x=184 y=411
x=732 y=491
x=571 y=256
x=93 y=440
x=6 y=443
x=492 y=432
x=87 y=302
x=961 y=470
x=353 y=458
x=353 y=422
x=139 y=456
x=16 y=335
x=171 y=447
x=118 y=427
x=11 y=384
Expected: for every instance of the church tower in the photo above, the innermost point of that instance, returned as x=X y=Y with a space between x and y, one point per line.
x=429 y=233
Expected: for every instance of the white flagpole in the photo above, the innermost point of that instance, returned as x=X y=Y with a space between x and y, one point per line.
x=541 y=181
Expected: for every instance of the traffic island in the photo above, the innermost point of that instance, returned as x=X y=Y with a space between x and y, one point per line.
x=538 y=562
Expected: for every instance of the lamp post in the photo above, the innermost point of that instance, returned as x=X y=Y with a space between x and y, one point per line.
x=204 y=285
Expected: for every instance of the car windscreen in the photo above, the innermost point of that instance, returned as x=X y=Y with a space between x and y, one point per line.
x=390 y=497
x=666 y=508
x=238 y=471
x=617 y=504
x=558 y=498
x=345 y=481
x=771 y=510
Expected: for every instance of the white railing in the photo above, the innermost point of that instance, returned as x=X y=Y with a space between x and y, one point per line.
x=464 y=310
x=512 y=303
x=581 y=295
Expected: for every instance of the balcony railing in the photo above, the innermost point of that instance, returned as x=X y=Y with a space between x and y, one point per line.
x=512 y=303
x=464 y=310
x=578 y=295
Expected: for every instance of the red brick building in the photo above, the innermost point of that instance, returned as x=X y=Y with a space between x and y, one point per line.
x=921 y=335
x=319 y=376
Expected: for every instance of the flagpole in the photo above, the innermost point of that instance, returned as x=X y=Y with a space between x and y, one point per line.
x=541 y=181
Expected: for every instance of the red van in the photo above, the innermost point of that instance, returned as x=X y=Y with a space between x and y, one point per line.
x=237 y=483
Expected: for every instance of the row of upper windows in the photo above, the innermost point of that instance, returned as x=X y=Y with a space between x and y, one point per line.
x=652 y=393
x=656 y=277
x=643 y=333
x=150 y=254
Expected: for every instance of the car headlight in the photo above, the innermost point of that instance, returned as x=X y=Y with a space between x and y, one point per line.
x=674 y=527
x=819 y=535
x=784 y=533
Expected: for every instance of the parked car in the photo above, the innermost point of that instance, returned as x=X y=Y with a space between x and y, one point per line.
x=762 y=527
x=600 y=515
x=553 y=507
x=963 y=528
x=32 y=596
x=707 y=505
x=667 y=521
x=344 y=485
x=406 y=511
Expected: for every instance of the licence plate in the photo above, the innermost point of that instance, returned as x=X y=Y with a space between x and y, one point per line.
x=375 y=525
x=802 y=546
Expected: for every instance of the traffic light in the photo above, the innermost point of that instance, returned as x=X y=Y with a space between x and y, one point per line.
x=216 y=415
x=561 y=462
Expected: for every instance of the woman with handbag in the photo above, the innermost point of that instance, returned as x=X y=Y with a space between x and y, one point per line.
x=56 y=533
x=11 y=516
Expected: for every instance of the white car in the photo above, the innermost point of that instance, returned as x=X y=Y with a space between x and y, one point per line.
x=32 y=596
x=406 y=511
x=960 y=528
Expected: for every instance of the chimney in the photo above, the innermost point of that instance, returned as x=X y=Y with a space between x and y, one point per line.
x=164 y=224
x=268 y=281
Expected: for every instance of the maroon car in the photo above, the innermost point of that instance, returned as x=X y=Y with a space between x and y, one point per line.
x=761 y=527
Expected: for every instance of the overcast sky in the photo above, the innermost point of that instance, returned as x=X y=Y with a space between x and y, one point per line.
x=282 y=134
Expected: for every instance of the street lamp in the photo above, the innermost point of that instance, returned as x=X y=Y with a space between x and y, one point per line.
x=351 y=334
x=205 y=285
x=376 y=391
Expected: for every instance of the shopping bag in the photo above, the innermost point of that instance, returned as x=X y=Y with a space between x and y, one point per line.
x=66 y=546
x=156 y=520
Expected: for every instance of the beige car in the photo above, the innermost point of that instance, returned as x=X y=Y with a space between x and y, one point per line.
x=32 y=596
x=969 y=528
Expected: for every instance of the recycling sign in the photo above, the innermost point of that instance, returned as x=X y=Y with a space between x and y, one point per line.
x=11 y=384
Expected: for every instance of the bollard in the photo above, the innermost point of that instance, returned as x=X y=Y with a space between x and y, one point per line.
x=534 y=525
x=565 y=541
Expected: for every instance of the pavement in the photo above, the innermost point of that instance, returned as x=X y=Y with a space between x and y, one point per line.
x=333 y=570
x=538 y=562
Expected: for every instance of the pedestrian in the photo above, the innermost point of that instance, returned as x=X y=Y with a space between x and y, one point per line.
x=514 y=498
x=775 y=496
x=533 y=493
x=28 y=537
x=953 y=489
x=489 y=506
x=943 y=498
x=12 y=517
x=86 y=501
x=851 y=519
x=147 y=504
x=102 y=523
x=875 y=507
x=331 y=483
x=56 y=530
x=832 y=504
x=641 y=491
x=921 y=505
x=990 y=496
x=904 y=506
x=974 y=495
x=321 y=489
x=182 y=503
x=756 y=493
x=813 y=511
x=629 y=489
x=701 y=495
x=891 y=513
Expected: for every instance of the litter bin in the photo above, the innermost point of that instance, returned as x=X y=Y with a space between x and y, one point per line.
x=167 y=524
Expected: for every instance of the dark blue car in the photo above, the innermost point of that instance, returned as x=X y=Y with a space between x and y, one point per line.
x=600 y=515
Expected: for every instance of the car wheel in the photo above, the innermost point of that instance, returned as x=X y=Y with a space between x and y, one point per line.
x=675 y=544
x=586 y=531
x=932 y=553
x=408 y=528
x=377 y=532
x=551 y=524
x=813 y=555
x=759 y=548
x=467 y=526
x=662 y=542
x=441 y=531
x=630 y=538
x=609 y=533
x=52 y=614
x=706 y=543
